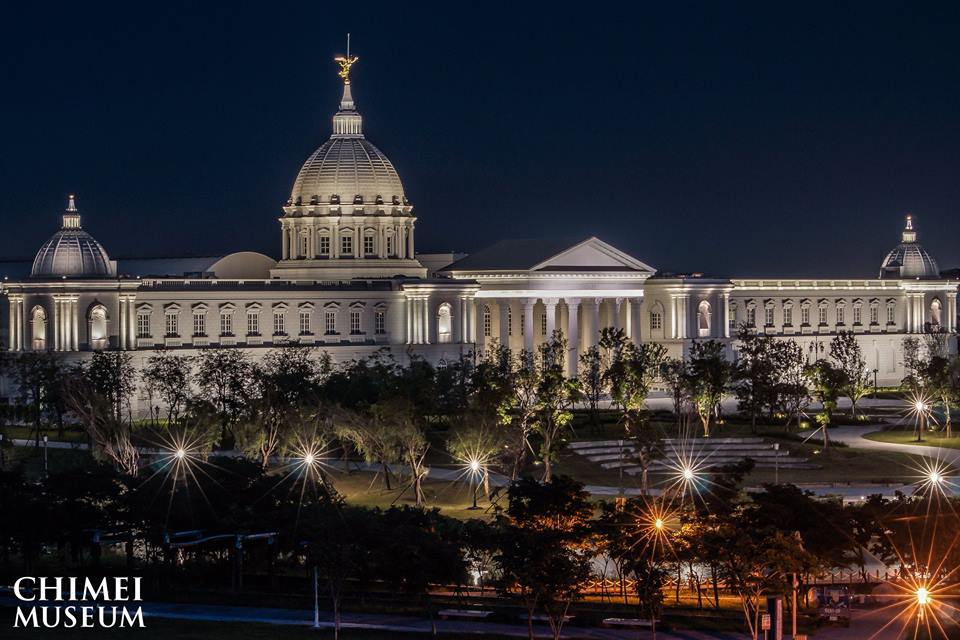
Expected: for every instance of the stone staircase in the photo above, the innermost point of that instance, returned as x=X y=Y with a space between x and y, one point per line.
x=707 y=453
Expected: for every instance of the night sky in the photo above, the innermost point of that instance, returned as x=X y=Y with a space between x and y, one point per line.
x=732 y=139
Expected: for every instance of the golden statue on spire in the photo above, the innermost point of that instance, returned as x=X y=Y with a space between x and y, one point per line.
x=345 y=63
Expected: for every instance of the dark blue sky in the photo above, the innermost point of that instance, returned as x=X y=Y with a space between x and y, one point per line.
x=735 y=139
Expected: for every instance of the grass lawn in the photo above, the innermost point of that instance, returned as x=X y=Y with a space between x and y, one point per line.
x=165 y=629
x=897 y=436
x=452 y=498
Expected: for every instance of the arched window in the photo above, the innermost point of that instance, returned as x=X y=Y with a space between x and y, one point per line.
x=703 y=319
x=935 y=313
x=444 y=323
x=487 y=321
x=38 y=328
x=656 y=320
x=97 y=324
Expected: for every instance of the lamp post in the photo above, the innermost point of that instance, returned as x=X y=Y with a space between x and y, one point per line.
x=1 y=451
x=875 y=372
x=475 y=471
x=776 y=463
x=796 y=587
x=46 y=468
x=921 y=408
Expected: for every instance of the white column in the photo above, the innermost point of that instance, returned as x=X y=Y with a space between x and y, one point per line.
x=573 y=336
x=550 y=308
x=408 y=311
x=21 y=325
x=504 y=305
x=76 y=324
x=461 y=323
x=951 y=311
x=471 y=320
x=593 y=307
x=411 y=252
x=12 y=323
x=527 y=307
x=618 y=304
x=426 y=321
x=726 y=315
x=123 y=323
x=636 y=326
x=334 y=240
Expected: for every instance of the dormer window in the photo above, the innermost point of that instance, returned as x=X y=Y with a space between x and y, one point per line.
x=379 y=199
x=396 y=199
x=358 y=199
x=314 y=199
x=334 y=199
x=299 y=201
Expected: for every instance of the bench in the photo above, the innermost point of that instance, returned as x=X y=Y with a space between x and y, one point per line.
x=630 y=623
x=464 y=614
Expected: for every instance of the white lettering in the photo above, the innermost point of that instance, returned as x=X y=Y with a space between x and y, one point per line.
x=102 y=592
x=127 y=620
x=19 y=594
x=21 y=620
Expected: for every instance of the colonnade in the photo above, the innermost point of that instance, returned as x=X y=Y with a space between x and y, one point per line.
x=423 y=318
x=579 y=318
x=336 y=229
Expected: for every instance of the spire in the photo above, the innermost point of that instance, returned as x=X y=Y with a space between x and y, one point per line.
x=347 y=122
x=909 y=235
x=71 y=219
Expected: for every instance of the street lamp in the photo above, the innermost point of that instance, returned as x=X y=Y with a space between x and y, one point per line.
x=923 y=599
x=46 y=467
x=875 y=372
x=921 y=408
x=475 y=471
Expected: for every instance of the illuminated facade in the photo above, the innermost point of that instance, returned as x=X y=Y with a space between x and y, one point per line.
x=349 y=281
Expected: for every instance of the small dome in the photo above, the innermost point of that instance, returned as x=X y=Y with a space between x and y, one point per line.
x=72 y=252
x=909 y=259
x=347 y=169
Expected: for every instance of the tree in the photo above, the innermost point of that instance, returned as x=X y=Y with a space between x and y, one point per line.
x=755 y=375
x=555 y=396
x=38 y=377
x=475 y=437
x=673 y=373
x=791 y=385
x=113 y=376
x=545 y=547
x=372 y=433
x=224 y=377
x=708 y=376
x=826 y=382
x=630 y=374
x=168 y=376
x=591 y=381
x=846 y=352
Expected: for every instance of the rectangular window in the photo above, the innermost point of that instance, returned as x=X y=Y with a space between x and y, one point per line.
x=732 y=322
x=330 y=322
x=278 y=328
x=805 y=315
x=172 y=324
x=143 y=325
x=874 y=315
x=226 y=323
x=543 y=324
x=355 y=322
x=368 y=245
x=656 y=321
x=823 y=315
x=857 y=315
x=891 y=314
x=751 y=317
x=788 y=316
x=199 y=324
x=325 y=245
x=840 y=311
x=390 y=250
x=487 y=322
x=304 y=323
x=768 y=316
x=253 y=323
x=346 y=245
x=379 y=322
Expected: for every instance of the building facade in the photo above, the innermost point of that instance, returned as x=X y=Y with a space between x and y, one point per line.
x=349 y=281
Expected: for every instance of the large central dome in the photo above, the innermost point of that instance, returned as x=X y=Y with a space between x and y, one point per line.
x=347 y=168
x=909 y=259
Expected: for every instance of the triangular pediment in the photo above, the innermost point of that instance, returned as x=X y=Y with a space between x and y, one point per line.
x=592 y=254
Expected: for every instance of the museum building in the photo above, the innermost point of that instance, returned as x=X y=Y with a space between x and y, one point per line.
x=350 y=281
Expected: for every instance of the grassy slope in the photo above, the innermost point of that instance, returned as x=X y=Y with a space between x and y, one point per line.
x=907 y=437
